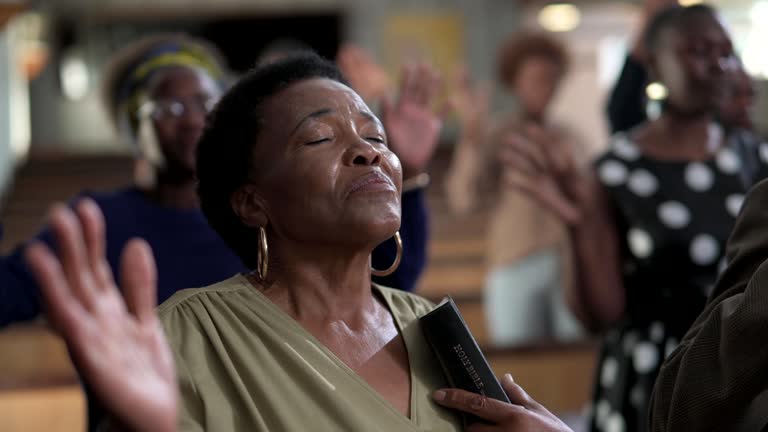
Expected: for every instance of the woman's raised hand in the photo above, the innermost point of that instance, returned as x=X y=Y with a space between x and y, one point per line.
x=116 y=343
x=412 y=124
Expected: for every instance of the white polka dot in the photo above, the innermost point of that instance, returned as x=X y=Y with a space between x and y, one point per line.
x=637 y=397
x=698 y=177
x=656 y=331
x=625 y=149
x=645 y=357
x=615 y=423
x=640 y=243
x=728 y=161
x=608 y=372
x=673 y=214
x=602 y=411
x=763 y=150
x=670 y=346
x=704 y=249
x=733 y=204
x=612 y=173
x=642 y=183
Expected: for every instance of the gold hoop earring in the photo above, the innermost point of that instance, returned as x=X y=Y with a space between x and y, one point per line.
x=263 y=258
x=398 y=257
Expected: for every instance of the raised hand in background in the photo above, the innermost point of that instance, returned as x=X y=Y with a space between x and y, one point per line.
x=411 y=120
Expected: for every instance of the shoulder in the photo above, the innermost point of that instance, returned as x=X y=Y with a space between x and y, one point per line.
x=114 y=203
x=405 y=302
x=191 y=302
x=128 y=193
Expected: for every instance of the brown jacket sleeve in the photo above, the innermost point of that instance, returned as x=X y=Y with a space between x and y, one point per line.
x=721 y=365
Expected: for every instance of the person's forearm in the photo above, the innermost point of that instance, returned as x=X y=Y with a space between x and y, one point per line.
x=463 y=175
x=597 y=295
x=626 y=103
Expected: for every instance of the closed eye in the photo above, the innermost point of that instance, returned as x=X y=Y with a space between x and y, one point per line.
x=318 y=141
x=376 y=139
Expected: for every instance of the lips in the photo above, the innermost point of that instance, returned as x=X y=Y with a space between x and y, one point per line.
x=371 y=182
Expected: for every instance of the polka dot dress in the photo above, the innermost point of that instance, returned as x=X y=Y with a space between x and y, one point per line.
x=674 y=218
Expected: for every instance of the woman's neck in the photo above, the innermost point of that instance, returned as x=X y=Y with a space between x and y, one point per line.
x=679 y=136
x=313 y=284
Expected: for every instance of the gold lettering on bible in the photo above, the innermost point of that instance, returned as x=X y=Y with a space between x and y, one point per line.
x=467 y=363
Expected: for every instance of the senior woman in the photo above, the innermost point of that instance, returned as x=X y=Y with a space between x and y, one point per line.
x=295 y=175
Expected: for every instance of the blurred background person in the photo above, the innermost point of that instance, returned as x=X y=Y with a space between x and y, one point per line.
x=157 y=91
x=652 y=219
x=528 y=249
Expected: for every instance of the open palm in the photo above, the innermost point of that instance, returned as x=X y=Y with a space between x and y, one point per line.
x=412 y=126
x=117 y=345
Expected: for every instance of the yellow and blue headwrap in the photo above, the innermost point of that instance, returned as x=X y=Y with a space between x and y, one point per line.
x=132 y=90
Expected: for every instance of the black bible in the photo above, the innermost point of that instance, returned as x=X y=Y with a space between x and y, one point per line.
x=464 y=365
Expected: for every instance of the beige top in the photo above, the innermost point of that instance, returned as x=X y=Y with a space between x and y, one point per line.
x=245 y=365
x=518 y=226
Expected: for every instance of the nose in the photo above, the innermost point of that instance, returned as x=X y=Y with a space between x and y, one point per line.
x=362 y=153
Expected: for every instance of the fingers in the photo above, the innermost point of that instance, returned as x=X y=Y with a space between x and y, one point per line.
x=63 y=308
x=432 y=83
x=515 y=393
x=73 y=254
x=407 y=89
x=419 y=84
x=92 y=221
x=481 y=406
x=139 y=280
x=524 y=154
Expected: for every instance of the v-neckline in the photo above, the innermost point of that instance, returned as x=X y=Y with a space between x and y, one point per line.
x=414 y=418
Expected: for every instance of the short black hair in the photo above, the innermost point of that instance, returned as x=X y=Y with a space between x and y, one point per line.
x=225 y=150
x=672 y=17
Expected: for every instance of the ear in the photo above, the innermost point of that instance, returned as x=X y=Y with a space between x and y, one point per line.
x=249 y=206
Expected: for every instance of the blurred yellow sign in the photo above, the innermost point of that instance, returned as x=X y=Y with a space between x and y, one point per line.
x=436 y=37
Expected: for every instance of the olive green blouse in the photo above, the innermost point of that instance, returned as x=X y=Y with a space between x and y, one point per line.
x=245 y=365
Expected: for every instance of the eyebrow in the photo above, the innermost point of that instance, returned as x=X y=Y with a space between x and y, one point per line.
x=325 y=111
x=312 y=115
x=372 y=118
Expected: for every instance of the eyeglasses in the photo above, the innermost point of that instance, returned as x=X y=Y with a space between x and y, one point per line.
x=172 y=108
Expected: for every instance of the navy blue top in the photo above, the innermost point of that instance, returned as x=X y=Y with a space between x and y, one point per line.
x=188 y=251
